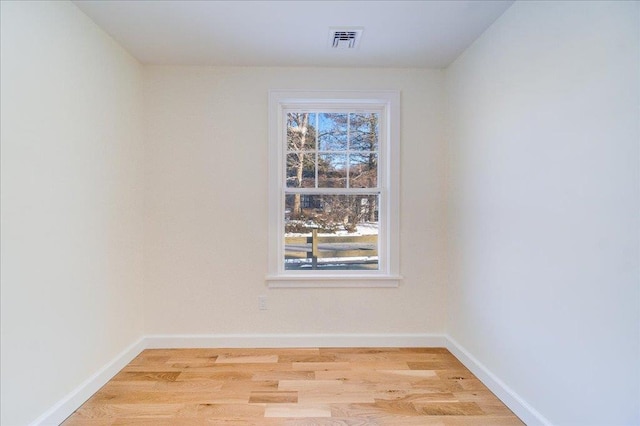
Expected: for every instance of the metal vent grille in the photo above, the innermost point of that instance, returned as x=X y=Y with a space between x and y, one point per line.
x=344 y=38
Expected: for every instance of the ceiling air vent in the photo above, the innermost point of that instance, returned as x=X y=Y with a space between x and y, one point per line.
x=344 y=38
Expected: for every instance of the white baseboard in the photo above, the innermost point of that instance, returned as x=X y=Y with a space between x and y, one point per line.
x=65 y=407
x=511 y=399
x=294 y=340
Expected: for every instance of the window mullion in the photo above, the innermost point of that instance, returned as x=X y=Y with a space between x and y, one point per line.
x=317 y=158
x=348 y=147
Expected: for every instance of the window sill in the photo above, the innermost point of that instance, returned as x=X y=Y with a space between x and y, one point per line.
x=333 y=281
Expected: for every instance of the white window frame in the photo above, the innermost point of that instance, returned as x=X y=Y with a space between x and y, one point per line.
x=387 y=103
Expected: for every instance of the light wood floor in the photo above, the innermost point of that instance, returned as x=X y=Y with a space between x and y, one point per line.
x=384 y=386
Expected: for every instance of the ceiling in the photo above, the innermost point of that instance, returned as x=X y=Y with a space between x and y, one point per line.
x=423 y=34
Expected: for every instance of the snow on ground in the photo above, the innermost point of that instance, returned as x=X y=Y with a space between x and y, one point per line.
x=368 y=228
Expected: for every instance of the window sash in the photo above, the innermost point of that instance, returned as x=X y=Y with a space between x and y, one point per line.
x=316 y=152
x=336 y=191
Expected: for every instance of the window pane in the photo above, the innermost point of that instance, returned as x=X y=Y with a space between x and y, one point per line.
x=346 y=228
x=301 y=131
x=301 y=170
x=332 y=171
x=332 y=132
x=363 y=170
x=364 y=130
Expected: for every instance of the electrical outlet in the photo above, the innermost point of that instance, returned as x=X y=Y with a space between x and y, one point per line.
x=262 y=303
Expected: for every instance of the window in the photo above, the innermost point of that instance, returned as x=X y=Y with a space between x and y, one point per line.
x=333 y=189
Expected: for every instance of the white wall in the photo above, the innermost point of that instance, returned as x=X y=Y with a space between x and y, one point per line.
x=206 y=210
x=71 y=204
x=544 y=114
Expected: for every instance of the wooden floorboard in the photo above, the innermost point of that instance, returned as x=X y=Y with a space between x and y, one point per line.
x=309 y=386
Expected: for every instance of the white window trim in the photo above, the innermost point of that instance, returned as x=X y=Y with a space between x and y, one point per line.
x=389 y=241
